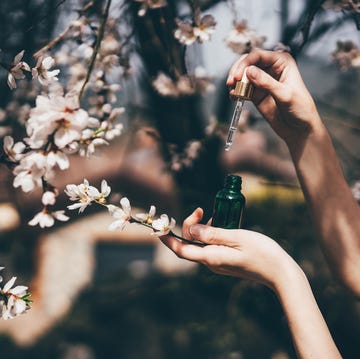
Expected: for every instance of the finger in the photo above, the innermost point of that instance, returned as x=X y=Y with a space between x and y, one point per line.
x=194 y=218
x=183 y=250
x=262 y=80
x=261 y=58
x=214 y=235
x=234 y=72
x=268 y=108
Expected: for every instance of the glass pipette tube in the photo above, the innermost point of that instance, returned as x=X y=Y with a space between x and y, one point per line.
x=243 y=91
x=234 y=123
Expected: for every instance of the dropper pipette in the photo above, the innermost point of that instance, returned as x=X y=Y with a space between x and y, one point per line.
x=243 y=91
x=234 y=123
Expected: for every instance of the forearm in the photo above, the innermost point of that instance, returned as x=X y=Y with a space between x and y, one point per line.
x=309 y=331
x=333 y=208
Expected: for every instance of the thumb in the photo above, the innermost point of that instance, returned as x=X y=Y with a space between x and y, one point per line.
x=213 y=235
x=264 y=81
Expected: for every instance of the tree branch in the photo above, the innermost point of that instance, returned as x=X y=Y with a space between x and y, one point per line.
x=97 y=47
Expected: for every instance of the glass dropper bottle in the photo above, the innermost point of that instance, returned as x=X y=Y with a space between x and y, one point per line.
x=243 y=91
x=229 y=204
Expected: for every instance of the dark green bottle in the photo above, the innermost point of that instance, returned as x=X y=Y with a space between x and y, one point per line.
x=229 y=204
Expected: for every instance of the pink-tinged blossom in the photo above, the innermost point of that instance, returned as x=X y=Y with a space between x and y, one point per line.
x=165 y=86
x=122 y=215
x=185 y=85
x=346 y=55
x=13 y=150
x=242 y=39
x=41 y=70
x=15 y=302
x=152 y=4
x=338 y=5
x=163 y=225
x=201 y=82
x=201 y=30
x=57 y=116
x=205 y=26
x=355 y=189
x=16 y=70
x=184 y=33
x=147 y=217
x=47 y=219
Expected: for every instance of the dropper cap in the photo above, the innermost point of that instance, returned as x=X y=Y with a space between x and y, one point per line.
x=243 y=88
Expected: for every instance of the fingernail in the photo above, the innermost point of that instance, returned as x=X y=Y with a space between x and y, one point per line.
x=196 y=229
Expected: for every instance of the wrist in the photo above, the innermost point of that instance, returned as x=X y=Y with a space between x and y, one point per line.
x=290 y=276
x=314 y=133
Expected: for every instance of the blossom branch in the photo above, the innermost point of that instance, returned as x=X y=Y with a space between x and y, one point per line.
x=53 y=42
x=97 y=47
x=85 y=195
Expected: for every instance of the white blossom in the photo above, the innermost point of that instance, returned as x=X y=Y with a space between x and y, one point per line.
x=185 y=85
x=114 y=131
x=147 y=217
x=205 y=27
x=56 y=116
x=105 y=190
x=41 y=70
x=1 y=278
x=47 y=219
x=16 y=70
x=12 y=301
x=58 y=158
x=163 y=225
x=152 y=4
x=346 y=55
x=201 y=30
x=165 y=86
x=86 y=194
x=29 y=172
x=242 y=39
x=48 y=198
x=201 y=81
x=13 y=151
x=122 y=215
x=355 y=189
x=89 y=141
x=185 y=33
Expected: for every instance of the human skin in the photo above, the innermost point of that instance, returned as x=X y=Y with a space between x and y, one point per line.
x=254 y=256
x=283 y=99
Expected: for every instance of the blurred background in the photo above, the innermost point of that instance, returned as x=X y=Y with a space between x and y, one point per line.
x=101 y=294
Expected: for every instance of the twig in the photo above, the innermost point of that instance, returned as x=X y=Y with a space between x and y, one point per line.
x=97 y=47
x=52 y=43
x=171 y=233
